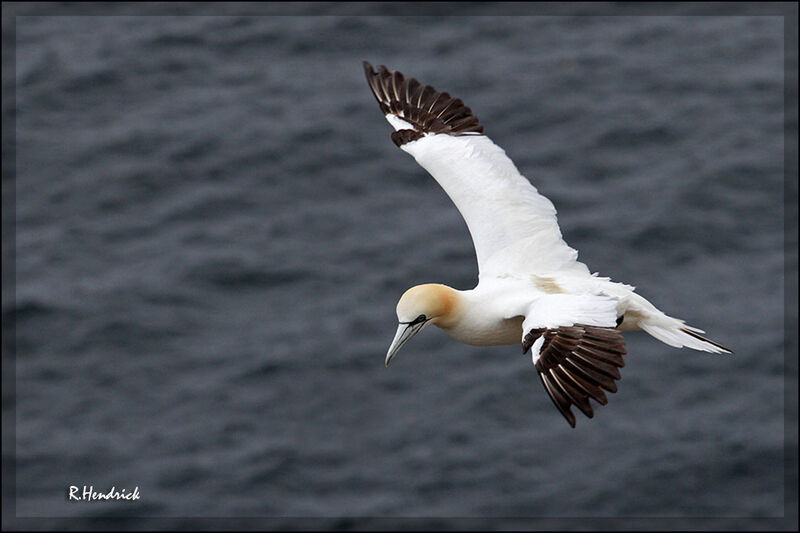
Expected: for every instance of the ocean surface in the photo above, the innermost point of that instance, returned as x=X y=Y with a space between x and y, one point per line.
x=213 y=228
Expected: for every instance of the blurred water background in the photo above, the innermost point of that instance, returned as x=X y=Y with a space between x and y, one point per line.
x=213 y=227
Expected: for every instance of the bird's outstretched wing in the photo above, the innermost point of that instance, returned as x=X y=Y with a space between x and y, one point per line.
x=576 y=363
x=513 y=227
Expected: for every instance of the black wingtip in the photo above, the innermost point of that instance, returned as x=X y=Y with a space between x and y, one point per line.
x=575 y=364
x=425 y=108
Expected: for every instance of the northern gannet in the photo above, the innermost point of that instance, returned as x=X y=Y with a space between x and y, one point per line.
x=531 y=287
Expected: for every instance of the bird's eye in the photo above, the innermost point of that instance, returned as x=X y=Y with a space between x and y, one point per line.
x=420 y=318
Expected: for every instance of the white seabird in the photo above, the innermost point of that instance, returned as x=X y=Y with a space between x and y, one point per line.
x=532 y=289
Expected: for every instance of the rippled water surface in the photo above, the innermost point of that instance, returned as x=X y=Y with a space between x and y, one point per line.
x=213 y=227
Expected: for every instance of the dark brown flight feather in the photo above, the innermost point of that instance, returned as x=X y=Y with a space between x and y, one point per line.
x=428 y=110
x=400 y=137
x=576 y=363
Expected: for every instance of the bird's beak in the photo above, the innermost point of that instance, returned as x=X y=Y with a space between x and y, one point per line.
x=404 y=332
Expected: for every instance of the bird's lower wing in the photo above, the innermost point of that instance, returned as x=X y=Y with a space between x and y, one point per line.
x=576 y=363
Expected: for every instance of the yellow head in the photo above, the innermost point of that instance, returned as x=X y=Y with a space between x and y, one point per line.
x=419 y=307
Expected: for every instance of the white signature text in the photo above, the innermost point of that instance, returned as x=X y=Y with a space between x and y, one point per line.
x=88 y=494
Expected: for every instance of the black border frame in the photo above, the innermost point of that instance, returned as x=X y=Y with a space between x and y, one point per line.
x=788 y=10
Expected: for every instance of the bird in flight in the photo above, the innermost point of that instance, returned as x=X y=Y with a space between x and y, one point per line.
x=532 y=289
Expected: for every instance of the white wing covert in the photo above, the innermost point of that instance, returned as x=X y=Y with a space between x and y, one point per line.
x=513 y=227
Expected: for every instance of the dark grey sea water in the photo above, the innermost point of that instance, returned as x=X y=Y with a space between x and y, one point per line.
x=213 y=227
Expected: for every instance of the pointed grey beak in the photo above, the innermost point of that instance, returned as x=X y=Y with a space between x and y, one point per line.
x=404 y=332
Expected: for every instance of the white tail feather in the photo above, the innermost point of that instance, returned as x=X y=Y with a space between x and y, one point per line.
x=672 y=331
x=682 y=336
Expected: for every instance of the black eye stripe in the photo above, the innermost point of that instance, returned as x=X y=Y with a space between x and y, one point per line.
x=418 y=320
